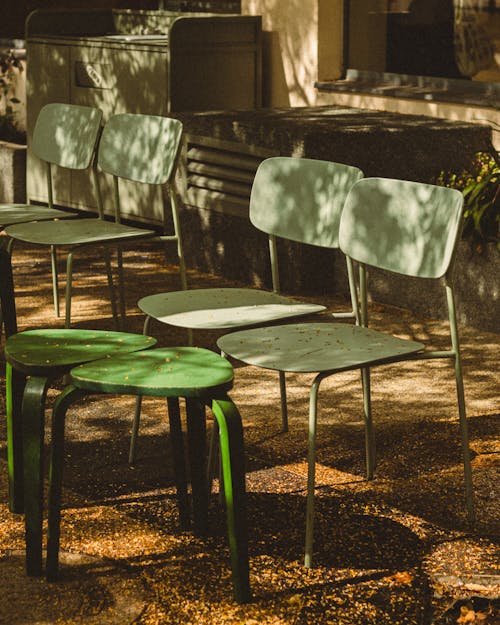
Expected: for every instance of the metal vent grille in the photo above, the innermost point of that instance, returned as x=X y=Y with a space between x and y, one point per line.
x=218 y=175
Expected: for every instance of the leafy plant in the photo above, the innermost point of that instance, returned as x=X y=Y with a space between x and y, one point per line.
x=10 y=65
x=480 y=185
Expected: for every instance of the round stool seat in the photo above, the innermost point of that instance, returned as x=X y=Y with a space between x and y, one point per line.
x=201 y=377
x=52 y=352
x=163 y=372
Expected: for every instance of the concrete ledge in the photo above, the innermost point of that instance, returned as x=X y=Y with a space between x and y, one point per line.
x=412 y=147
x=382 y=144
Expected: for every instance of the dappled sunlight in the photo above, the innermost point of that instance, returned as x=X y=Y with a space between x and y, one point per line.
x=315 y=347
x=300 y=199
x=222 y=308
x=66 y=135
x=60 y=348
x=142 y=149
x=179 y=371
x=138 y=148
x=290 y=39
x=416 y=226
x=374 y=539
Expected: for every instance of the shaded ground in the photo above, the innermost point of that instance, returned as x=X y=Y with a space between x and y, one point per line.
x=395 y=550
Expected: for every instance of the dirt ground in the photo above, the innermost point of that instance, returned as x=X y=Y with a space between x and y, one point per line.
x=393 y=550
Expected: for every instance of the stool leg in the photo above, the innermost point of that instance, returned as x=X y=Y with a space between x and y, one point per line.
x=196 y=429
x=15 y=383
x=233 y=468
x=174 y=417
x=62 y=403
x=33 y=418
x=213 y=458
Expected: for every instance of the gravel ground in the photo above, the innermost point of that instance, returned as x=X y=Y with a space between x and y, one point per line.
x=394 y=550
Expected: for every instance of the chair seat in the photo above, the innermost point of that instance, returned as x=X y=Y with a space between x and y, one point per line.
x=315 y=347
x=50 y=352
x=223 y=308
x=165 y=372
x=20 y=213
x=75 y=232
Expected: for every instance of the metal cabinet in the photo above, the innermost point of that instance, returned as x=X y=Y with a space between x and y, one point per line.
x=152 y=62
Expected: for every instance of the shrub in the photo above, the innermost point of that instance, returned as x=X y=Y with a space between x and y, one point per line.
x=480 y=185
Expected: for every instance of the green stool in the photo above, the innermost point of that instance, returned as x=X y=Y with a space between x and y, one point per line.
x=203 y=378
x=34 y=360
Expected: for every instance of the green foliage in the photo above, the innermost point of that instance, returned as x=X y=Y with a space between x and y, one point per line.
x=480 y=185
x=9 y=66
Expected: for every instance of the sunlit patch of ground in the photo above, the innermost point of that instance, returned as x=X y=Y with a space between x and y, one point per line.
x=393 y=550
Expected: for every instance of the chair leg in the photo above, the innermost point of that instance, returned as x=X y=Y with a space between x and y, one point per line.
x=62 y=403
x=69 y=285
x=15 y=383
x=55 y=278
x=469 y=488
x=311 y=470
x=284 y=406
x=121 y=291
x=177 y=233
x=177 y=441
x=33 y=419
x=196 y=430
x=137 y=413
x=233 y=467
x=369 y=434
x=111 y=288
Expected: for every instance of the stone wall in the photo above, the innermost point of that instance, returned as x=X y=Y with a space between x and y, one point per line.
x=381 y=144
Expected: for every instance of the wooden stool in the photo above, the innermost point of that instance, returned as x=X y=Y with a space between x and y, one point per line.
x=35 y=359
x=203 y=378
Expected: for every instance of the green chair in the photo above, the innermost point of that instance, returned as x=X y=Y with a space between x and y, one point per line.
x=297 y=199
x=35 y=359
x=202 y=378
x=140 y=148
x=65 y=135
x=405 y=227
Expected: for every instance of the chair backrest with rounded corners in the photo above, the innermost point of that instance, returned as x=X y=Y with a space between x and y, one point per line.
x=142 y=148
x=67 y=134
x=406 y=227
x=301 y=199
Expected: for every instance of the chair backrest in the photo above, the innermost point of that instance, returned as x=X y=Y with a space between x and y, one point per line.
x=406 y=227
x=67 y=134
x=141 y=148
x=301 y=199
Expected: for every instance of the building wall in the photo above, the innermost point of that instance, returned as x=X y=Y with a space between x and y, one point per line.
x=302 y=44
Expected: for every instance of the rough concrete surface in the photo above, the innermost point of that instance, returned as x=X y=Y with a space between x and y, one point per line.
x=393 y=550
